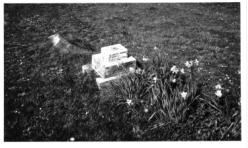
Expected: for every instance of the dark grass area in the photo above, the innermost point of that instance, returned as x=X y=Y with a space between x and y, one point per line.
x=48 y=98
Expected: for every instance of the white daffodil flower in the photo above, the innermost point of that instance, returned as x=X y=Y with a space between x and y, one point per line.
x=199 y=69
x=174 y=69
x=188 y=64
x=196 y=62
x=155 y=48
x=131 y=69
x=218 y=87
x=129 y=102
x=155 y=79
x=145 y=59
x=184 y=95
x=182 y=70
x=55 y=39
x=173 y=80
x=218 y=93
x=85 y=68
x=72 y=139
x=139 y=71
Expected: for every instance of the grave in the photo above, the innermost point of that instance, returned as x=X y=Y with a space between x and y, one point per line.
x=112 y=63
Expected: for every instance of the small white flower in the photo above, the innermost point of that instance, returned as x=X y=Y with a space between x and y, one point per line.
x=131 y=69
x=55 y=39
x=196 y=62
x=218 y=93
x=199 y=131
x=182 y=70
x=85 y=68
x=155 y=79
x=21 y=94
x=218 y=87
x=188 y=64
x=155 y=48
x=139 y=71
x=199 y=69
x=184 y=94
x=227 y=77
x=87 y=113
x=72 y=139
x=145 y=59
x=174 y=69
x=238 y=71
x=17 y=112
x=28 y=129
x=129 y=102
x=145 y=110
x=173 y=80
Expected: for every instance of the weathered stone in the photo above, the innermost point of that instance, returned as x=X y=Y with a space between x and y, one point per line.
x=120 y=67
x=113 y=53
x=105 y=81
x=97 y=63
x=112 y=63
x=66 y=47
x=109 y=69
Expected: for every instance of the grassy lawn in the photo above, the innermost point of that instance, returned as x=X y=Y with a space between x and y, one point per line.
x=47 y=98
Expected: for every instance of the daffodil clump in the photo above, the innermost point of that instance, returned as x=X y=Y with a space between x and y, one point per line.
x=163 y=90
x=163 y=93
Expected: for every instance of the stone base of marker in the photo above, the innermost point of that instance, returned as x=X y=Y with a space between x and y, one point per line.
x=115 y=68
x=104 y=82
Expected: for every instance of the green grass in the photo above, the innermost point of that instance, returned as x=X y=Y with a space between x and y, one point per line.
x=47 y=98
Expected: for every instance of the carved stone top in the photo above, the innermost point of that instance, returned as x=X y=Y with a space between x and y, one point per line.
x=113 y=53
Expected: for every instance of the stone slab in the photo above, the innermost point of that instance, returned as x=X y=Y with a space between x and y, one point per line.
x=120 y=67
x=105 y=81
x=97 y=61
x=115 y=68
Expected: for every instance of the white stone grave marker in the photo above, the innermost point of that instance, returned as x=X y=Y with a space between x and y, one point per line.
x=112 y=63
